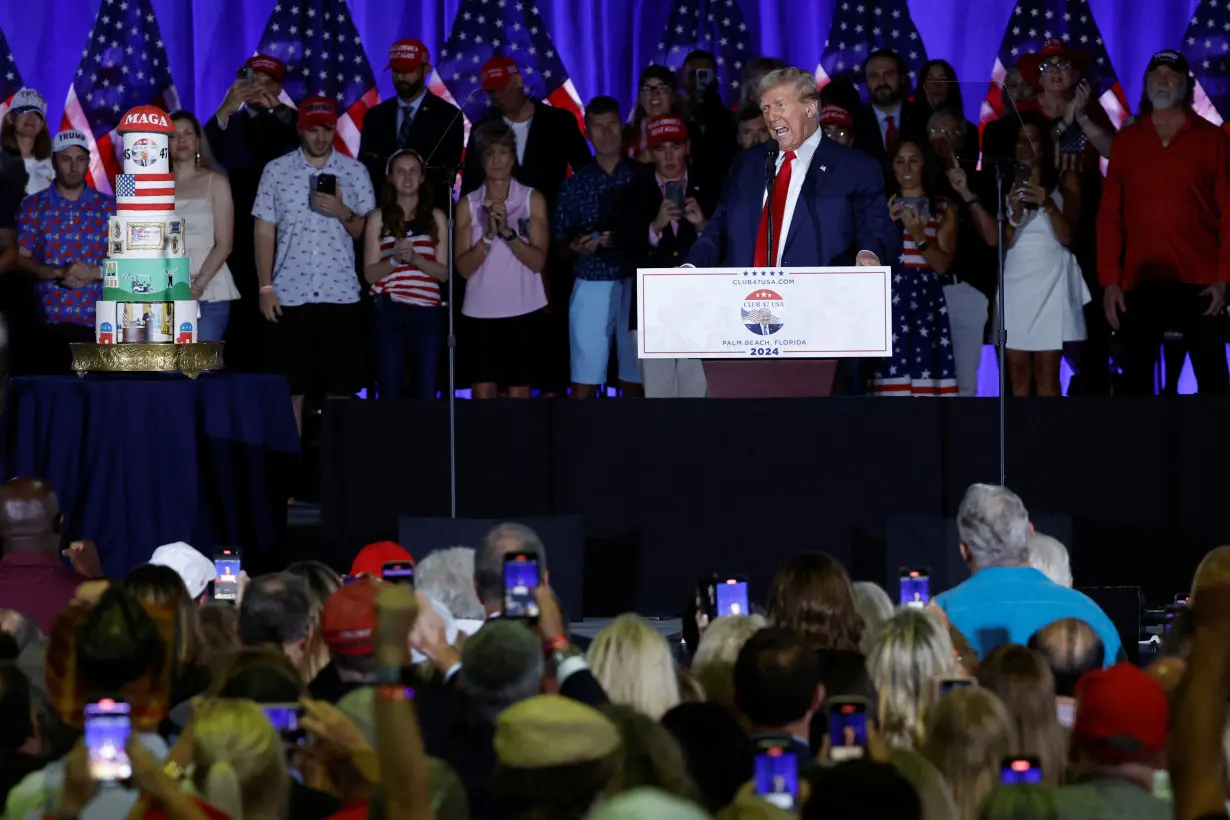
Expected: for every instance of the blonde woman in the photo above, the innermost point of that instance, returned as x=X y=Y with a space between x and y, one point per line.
x=969 y=733
x=238 y=761
x=633 y=663
x=911 y=651
x=322 y=581
x=714 y=662
x=874 y=606
x=933 y=791
x=1023 y=681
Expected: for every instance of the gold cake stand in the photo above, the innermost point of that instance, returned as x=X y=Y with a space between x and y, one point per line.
x=192 y=360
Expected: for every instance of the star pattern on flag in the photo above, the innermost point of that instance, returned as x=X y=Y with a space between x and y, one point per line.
x=716 y=26
x=514 y=29
x=1206 y=45
x=862 y=26
x=10 y=77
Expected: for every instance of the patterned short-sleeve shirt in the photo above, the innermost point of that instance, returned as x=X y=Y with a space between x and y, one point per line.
x=314 y=262
x=58 y=231
x=589 y=197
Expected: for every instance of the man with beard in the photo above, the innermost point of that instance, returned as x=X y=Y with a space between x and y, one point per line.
x=1163 y=231
x=310 y=208
x=896 y=118
x=62 y=241
x=415 y=119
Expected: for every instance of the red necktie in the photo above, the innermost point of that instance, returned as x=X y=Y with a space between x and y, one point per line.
x=781 y=187
x=890 y=134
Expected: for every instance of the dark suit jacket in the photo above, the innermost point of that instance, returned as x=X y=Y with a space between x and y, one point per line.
x=437 y=132
x=867 y=136
x=553 y=146
x=841 y=210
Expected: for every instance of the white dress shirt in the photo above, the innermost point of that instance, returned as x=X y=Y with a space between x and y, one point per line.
x=798 y=172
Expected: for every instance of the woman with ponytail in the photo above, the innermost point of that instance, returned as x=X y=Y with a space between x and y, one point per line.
x=238 y=760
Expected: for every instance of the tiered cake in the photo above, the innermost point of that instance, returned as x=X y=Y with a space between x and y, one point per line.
x=146 y=295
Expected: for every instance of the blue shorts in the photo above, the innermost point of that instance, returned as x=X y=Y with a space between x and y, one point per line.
x=597 y=312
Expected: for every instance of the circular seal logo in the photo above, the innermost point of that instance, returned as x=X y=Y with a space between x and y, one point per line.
x=761 y=312
x=144 y=152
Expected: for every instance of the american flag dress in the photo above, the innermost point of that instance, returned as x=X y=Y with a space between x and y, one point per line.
x=922 y=363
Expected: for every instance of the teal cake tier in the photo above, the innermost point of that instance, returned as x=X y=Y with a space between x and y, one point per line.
x=146 y=280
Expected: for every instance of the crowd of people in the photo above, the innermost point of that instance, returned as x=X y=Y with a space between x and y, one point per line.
x=318 y=695
x=311 y=263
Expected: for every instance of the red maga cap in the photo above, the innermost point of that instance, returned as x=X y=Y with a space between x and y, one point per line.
x=348 y=618
x=317 y=112
x=1122 y=714
x=146 y=118
x=836 y=115
x=498 y=72
x=407 y=55
x=372 y=558
x=270 y=65
x=664 y=129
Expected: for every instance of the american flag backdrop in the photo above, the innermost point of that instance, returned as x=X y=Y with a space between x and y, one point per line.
x=324 y=56
x=123 y=65
x=10 y=77
x=1031 y=24
x=514 y=28
x=1207 y=47
x=860 y=27
x=716 y=26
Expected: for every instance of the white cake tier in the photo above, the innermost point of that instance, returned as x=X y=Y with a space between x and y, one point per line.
x=146 y=322
x=147 y=237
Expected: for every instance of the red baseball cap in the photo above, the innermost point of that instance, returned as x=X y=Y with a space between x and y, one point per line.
x=348 y=619
x=1121 y=714
x=664 y=129
x=317 y=112
x=498 y=72
x=836 y=115
x=270 y=65
x=372 y=558
x=407 y=55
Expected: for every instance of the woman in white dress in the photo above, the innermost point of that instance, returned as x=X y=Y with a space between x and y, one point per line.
x=24 y=135
x=1044 y=292
x=203 y=199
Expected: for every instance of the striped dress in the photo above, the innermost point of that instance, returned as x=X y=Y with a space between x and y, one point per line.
x=407 y=284
x=922 y=363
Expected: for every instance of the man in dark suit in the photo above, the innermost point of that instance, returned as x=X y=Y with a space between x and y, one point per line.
x=892 y=117
x=415 y=119
x=671 y=202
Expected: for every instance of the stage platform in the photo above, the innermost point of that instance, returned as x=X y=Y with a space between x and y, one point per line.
x=669 y=490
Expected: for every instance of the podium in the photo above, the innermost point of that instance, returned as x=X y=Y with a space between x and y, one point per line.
x=765 y=333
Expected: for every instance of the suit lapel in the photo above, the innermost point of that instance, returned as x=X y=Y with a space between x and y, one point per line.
x=817 y=175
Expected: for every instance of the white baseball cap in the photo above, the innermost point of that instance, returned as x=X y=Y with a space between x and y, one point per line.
x=194 y=568
x=67 y=139
x=27 y=99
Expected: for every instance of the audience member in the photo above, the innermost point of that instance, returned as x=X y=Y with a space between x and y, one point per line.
x=219 y=635
x=1006 y=600
x=277 y=611
x=322 y=581
x=657 y=96
x=193 y=568
x=843 y=674
x=642 y=803
x=714 y=661
x=25 y=138
x=998 y=135
x=718 y=752
x=1023 y=682
x=20 y=627
x=648 y=756
x=896 y=118
x=238 y=761
x=633 y=663
x=1050 y=557
x=752 y=130
x=812 y=596
x=858 y=789
x=347 y=622
x=447 y=575
x=499 y=541
x=777 y=687
x=905 y=662
x=969 y=733
x=874 y=606
x=938 y=90
x=710 y=122
x=932 y=790
x=837 y=124
x=21 y=746
x=162 y=587
x=1020 y=802
x=370 y=560
x=1071 y=648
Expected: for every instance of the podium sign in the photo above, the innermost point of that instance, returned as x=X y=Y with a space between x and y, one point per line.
x=716 y=313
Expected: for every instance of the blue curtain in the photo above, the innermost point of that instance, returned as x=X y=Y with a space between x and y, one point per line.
x=603 y=43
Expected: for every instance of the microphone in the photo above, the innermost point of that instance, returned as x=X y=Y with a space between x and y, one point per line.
x=770 y=164
x=770 y=175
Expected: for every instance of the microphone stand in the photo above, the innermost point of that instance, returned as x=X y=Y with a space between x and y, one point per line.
x=1001 y=337
x=770 y=177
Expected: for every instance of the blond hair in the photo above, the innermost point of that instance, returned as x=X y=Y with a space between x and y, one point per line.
x=912 y=650
x=933 y=791
x=714 y=661
x=969 y=733
x=633 y=663
x=238 y=761
x=1024 y=683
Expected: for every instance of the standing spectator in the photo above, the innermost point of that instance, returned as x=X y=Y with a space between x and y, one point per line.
x=713 y=663
x=63 y=238
x=837 y=124
x=969 y=733
x=1044 y=293
x=751 y=129
x=251 y=128
x=1162 y=232
x=1071 y=648
x=1065 y=98
x=501 y=247
x=1006 y=600
x=277 y=611
x=657 y=96
x=585 y=223
x=998 y=135
x=874 y=607
x=1022 y=680
x=939 y=90
x=922 y=363
x=777 y=687
x=812 y=595
x=720 y=756
x=905 y=659
x=633 y=663
x=405 y=262
x=414 y=119
x=308 y=289
x=1049 y=556
x=896 y=118
x=24 y=136
x=203 y=198
x=670 y=211
x=346 y=625
x=711 y=124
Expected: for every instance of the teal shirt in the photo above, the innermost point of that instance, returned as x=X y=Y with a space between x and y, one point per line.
x=1008 y=604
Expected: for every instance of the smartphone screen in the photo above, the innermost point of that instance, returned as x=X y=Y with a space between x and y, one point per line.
x=1016 y=771
x=945 y=685
x=1065 y=713
x=915 y=587
x=704 y=76
x=731 y=596
x=674 y=192
x=520 y=585
x=107 y=726
x=285 y=718
x=776 y=772
x=847 y=728
x=1183 y=599
x=398 y=572
x=227 y=565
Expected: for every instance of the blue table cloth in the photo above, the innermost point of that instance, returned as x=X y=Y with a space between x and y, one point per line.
x=143 y=460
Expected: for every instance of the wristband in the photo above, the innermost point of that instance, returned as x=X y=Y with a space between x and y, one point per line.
x=556 y=644
x=266 y=289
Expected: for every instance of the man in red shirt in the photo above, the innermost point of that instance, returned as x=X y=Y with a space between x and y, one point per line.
x=1164 y=231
